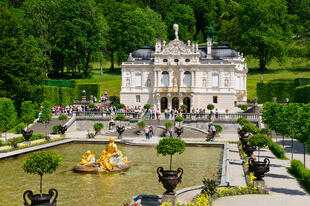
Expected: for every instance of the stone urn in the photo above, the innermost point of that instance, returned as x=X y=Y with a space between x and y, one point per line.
x=259 y=167
x=27 y=134
x=179 y=131
x=169 y=179
x=120 y=130
x=63 y=129
x=248 y=149
x=41 y=200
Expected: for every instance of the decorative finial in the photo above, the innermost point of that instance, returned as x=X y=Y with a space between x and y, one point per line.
x=176 y=29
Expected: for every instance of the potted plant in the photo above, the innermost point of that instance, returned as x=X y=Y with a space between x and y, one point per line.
x=147 y=112
x=13 y=142
x=168 y=126
x=63 y=127
x=259 y=167
x=120 y=129
x=210 y=107
x=98 y=127
x=170 y=178
x=120 y=106
x=91 y=105
x=41 y=163
x=56 y=129
x=179 y=129
x=141 y=125
x=243 y=107
x=184 y=108
x=247 y=130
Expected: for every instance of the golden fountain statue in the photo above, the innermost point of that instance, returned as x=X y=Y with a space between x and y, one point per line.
x=111 y=159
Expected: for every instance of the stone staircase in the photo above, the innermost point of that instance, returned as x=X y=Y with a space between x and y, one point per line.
x=39 y=127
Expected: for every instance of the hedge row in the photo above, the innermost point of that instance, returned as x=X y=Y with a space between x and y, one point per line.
x=303 y=94
x=266 y=92
x=301 y=173
x=302 y=81
x=277 y=150
x=91 y=89
x=58 y=83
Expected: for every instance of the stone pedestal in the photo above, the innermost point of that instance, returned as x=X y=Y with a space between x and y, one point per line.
x=260 y=183
x=169 y=198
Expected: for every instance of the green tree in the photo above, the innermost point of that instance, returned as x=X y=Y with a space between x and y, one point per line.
x=46 y=114
x=27 y=112
x=20 y=59
x=263 y=29
x=182 y=15
x=8 y=116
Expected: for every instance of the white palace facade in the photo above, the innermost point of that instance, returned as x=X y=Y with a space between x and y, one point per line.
x=169 y=75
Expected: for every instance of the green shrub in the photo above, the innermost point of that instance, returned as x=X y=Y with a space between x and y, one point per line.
x=266 y=92
x=297 y=168
x=120 y=117
x=184 y=106
x=265 y=131
x=218 y=128
x=91 y=105
x=243 y=107
x=114 y=100
x=303 y=94
x=141 y=123
x=1 y=143
x=36 y=137
x=242 y=121
x=168 y=124
x=179 y=119
x=250 y=128
x=51 y=94
x=98 y=126
x=19 y=128
x=147 y=106
x=27 y=112
x=8 y=116
x=277 y=150
x=41 y=163
x=120 y=106
x=56 y=129
x=210 y=106
x=62 y=117
x=259 y=140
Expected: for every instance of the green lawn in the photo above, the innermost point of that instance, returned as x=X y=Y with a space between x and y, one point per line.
x=287 y=71
x=277 y=72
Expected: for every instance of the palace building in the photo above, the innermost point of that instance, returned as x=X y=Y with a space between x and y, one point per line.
x=169 y=75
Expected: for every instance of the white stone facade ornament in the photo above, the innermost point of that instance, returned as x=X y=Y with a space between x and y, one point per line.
x=130 y=58
x=176 y=31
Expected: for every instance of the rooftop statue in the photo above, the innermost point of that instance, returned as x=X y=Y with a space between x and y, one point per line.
x=111 y=159
x=176 y=29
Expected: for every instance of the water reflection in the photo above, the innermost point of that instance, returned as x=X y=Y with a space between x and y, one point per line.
x=105 y=189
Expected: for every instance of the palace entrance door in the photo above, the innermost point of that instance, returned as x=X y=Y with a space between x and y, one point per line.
x=163 y=104
x=187 y=102
x=175 y=103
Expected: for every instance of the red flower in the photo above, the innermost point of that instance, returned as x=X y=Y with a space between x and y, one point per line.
x=208 y=179
x=136 y=204
x=213 y=174
x=254 y=158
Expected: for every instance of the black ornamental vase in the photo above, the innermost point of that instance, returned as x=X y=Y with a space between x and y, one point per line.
x=27 y=134
x=259 y=167
x=169 y=179
x=248 y=149
x=120 y=130
x=63 y=129
x=41 y=200
x=179 y=131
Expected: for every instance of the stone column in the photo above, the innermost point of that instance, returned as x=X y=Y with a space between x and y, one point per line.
x=181 y=77
x=170 y=77
x=169 y=101
x=180 y=100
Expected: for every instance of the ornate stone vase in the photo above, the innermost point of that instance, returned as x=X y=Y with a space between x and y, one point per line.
x=120 y=130
x=259 y=167
x=27 y=134
x=63 y=129
x=179 y=131
x=248 y=149
x=41 y=200
x=169 y=179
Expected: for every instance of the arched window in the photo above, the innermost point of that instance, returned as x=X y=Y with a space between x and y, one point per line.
x=187 y=82
x=165 y=79
x=138 y=80
x=148 y=83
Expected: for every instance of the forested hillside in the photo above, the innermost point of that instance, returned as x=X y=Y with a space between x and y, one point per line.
x=53 y=38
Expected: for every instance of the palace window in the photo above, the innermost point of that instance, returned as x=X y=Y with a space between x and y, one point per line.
x=187 y=60
x=137 y=98
x=215 y=99
x=187 y=81
x=215 y=80
x=138 y=80
x=165 y=79
x=165 y=60
x=176 y=60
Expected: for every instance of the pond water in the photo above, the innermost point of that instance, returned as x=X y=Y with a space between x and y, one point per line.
x=106 y=189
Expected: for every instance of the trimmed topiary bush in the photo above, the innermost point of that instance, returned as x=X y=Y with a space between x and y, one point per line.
x=243 y=107
x=147 y=106
x=41 y=163
x=141 y=124
x=91 y=105
x=260 y=141
x=250 y=128
x=179 y=119
x=168 y=124
x=242 y=121
x=98 y=127
x=19 y=128
x=184 y=106
x=170 y=146
x=56 y=129
x=210 y=106
x=120 y=106
x=120 y=117
x=218 y=128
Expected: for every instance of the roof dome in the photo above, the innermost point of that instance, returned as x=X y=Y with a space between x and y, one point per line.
x=144 y=53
